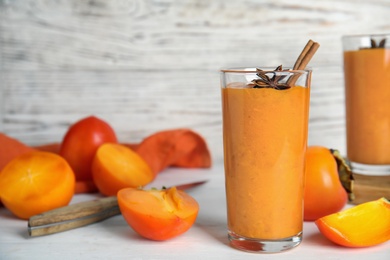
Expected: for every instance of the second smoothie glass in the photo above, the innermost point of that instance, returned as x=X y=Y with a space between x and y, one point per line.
x=367 y=99
x=265 y=138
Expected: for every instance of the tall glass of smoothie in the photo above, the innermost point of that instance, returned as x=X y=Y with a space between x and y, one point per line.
x=367 y=99
x=265 y=127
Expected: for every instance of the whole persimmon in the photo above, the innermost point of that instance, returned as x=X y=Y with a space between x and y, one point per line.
x=323 y=193
x=116 y=166
x=81 y=142
x=158 y=214
x=36 y=182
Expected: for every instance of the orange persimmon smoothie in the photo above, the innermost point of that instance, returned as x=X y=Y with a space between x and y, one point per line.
x=265 y=139
x=367 y=94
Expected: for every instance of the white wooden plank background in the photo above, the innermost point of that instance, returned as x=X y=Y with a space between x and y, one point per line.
x=149 y=65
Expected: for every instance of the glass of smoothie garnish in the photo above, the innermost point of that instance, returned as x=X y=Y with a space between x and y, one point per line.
x=265 y=126
x=367 y=100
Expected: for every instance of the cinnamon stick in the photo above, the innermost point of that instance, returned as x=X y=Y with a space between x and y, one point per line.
x=306 y=57
x=303 y=54
x=303 y=59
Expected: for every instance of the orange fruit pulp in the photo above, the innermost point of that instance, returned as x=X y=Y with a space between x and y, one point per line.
x=36 y=182
x=116 y=166
x=158 y=214
x=363 y=225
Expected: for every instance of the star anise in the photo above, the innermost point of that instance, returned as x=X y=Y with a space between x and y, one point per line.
x=375 y=45
x=273 y=81
x=381 y=44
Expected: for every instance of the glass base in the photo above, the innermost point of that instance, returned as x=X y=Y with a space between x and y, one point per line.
x=370 y=169
x=254 y=245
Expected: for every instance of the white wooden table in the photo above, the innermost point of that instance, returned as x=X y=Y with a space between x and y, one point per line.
x=147 y=66
x=207 y=239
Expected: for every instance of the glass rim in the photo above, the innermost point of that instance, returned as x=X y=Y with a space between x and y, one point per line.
x=265 y=69
x=349 y=36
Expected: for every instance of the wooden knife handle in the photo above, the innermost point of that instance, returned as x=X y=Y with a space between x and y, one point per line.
x=73 y=216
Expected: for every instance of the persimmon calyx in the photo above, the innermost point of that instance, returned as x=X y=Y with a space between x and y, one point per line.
x=345 y=173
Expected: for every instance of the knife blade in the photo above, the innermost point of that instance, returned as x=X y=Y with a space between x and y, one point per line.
x=80 y=214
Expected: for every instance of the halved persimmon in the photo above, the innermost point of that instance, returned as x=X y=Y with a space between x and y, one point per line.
x=364 y=225
x=158 y=214
x=116 y=166
x=36 y=182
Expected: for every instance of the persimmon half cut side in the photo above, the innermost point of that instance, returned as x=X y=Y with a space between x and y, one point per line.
x=364 y=225
x=36 y=182
x=158 y=214
x=116 y=166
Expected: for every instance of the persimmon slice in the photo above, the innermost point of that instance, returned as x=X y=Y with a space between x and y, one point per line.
x=36 y=182
x=116 y=166
x=364 y=225
x=158 y=214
